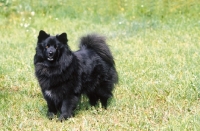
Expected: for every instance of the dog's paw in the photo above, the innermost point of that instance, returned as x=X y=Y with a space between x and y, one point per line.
x=61 y=119
x=50 y=115
x=64 y=117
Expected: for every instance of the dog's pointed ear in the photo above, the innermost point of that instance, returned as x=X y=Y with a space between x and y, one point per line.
x=62 y=38
x=42 y=35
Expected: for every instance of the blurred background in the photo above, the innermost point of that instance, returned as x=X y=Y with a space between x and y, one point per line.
x=130 y=15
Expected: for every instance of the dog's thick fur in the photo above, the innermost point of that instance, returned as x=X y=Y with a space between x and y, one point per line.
x=64 y=75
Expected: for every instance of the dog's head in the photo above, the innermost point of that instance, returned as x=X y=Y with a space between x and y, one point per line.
x=51 y=46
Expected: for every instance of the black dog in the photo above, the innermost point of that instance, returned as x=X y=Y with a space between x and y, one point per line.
x=64 y=75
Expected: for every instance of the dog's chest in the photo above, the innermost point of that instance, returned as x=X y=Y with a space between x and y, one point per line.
x=48 y=93
x=54 y=95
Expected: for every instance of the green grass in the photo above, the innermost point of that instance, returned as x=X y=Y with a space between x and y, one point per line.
x=156 y=49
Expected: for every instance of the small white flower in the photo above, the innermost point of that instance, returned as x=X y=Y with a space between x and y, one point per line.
x=32 y=13
x=26 y=25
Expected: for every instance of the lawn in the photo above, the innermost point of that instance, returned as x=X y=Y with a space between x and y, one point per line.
x=156 y=49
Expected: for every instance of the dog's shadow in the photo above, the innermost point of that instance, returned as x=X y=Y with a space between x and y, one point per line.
x=82 y=105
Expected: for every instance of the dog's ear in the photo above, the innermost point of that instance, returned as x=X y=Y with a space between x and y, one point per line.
x=62 y=38
x=42 y=36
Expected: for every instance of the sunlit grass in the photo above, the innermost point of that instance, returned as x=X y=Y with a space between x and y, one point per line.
x=157 y=59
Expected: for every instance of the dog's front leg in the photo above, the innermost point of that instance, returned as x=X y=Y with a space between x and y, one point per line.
x=68 y=107
x=51 y=109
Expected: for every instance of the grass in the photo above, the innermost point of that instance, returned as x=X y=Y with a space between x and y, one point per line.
x=156 y=49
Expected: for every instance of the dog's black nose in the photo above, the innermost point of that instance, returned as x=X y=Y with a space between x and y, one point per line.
x=50 y=53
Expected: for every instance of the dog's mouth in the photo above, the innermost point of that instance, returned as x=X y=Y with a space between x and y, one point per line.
x=51 y=55
x=50 y=59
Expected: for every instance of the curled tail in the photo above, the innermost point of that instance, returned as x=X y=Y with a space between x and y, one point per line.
x=98 y=44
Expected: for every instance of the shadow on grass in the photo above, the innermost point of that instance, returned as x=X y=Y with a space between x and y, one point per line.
x=83 y=105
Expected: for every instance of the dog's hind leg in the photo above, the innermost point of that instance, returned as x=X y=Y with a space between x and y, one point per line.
x=93 y=99
x=104 y=102
x=104 y=93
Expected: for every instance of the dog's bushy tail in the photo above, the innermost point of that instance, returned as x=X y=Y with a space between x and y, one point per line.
x=98 y=44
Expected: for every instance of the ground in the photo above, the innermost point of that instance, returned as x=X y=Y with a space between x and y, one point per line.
x=156 y=50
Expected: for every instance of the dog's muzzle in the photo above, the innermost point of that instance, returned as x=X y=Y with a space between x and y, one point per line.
x=50 y=56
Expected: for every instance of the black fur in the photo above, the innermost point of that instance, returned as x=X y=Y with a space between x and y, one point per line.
x=64 y=75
